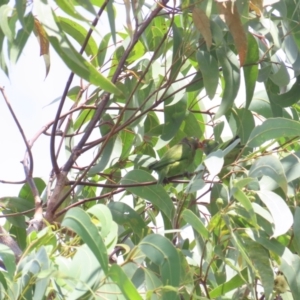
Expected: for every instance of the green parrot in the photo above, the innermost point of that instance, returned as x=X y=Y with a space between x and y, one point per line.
x=209 y=146
x=177 y=159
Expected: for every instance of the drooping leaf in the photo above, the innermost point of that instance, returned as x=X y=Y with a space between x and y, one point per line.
x=126 y=216
x=281 y=77
x=233 y=21
x=161 y=252
x=231 y=74
x=5 y=11
x=244 y=200
x=296 y=229
x=202 y=23
x=195 y=222
x=79 y=221
x=174 y=116
x=156 y=194
x=285 y=99
x=44 y=43
x=251 y=68
x=210 y=72
x=21 y=38
x=235 y=282
x=271 y=129
x=8 y=258
x=177 y=53
x=111 y=18
x=261 y=260
x=68 y=54
x=79 y=33
x=269 y=166
x=290 y=262
x=244 y=123
x=124 y=283
x=282 y=216
x=69 y=8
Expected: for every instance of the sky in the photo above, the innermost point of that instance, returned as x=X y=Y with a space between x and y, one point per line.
x=30 y=94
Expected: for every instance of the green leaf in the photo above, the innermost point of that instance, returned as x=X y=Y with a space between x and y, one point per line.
x=67 y=52
x=235 y=282
x=162 y=252
x=231 y=73
x=281 y=78
x=44 y=265
x=19 y=42
x=269 y=166
x=244 y=123
x=244 y=200
x=251 y=68
x=111 y=20
x=296 y=229
x=279 y=211
x=285 y=99
x=174 y=115
x=69 y=8
x=9 y=260
x=126 y=286
x=156 y=194
x=101 y=53
x=103 y=214
x=195 y=222
x=271 y=129
x=79 y=33
x=261 y=260
x=290 y=266
x=21 y=7
x=79 y=221
x=81 y=276
x=16 y=204
x=26 y=192
x=87 y=5
x=196 y=84
x=3 y=64
x=177 y=53
x=126 y=216
x=210 y=71
x=290 y=263
x=5 y=11
x=152 y=280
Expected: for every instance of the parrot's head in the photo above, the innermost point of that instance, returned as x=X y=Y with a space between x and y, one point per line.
x=192 y=142
x=207 y=146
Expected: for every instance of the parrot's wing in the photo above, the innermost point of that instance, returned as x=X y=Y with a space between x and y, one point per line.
x=175 y=154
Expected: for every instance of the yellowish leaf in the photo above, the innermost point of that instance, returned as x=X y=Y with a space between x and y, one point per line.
x=202 y=23
x=44 y=43
x=257 y=6
x=233 y=21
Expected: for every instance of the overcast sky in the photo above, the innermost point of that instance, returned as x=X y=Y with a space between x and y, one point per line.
x=29 y=93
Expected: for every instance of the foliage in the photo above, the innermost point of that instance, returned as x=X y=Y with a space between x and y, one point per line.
x=224 y=72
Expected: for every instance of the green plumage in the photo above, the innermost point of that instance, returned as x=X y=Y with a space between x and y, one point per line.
x=176 y=160
x=209 y=146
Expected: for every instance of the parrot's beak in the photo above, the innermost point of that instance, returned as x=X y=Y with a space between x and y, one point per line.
x=201 y=145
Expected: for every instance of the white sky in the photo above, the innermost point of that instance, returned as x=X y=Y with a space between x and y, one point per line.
x=29 y=94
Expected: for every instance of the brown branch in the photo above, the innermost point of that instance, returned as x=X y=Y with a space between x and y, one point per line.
x=20 y=129
x=27 y=164
x=87 y=200
x=54 y=202
x=65 y=92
